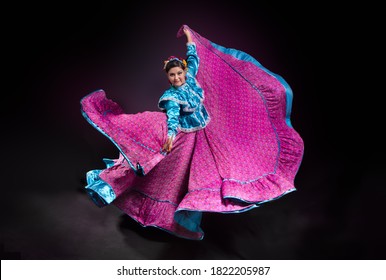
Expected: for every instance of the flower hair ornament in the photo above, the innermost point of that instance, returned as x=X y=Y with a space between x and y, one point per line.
x=171 y=58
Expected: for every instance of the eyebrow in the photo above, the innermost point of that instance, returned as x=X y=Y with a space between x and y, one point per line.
x=179 y=72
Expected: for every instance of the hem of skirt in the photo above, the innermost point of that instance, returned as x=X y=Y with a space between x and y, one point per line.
x=100 y=192
x=179 y=235
x=135 y=204
x=236 y=197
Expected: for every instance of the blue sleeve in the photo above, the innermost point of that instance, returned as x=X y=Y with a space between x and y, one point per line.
x=192 y=58
x=173 y=114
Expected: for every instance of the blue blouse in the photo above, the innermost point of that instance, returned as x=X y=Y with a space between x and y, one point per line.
x=183 y=105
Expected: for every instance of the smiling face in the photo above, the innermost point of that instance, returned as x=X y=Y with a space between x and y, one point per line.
x=176 y=76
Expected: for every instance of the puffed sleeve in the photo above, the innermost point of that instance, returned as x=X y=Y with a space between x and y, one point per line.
x=173 y=114
x=192 y=58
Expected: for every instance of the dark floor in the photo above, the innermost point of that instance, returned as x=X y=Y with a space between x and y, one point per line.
x=57 y=57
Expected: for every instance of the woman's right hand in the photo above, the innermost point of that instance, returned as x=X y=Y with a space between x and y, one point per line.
x=168 y=145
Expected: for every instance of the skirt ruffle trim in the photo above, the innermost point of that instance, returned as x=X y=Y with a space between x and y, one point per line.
x=184 y=219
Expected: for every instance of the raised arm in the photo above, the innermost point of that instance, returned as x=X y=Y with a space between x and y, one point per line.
x=188 y=35
x=191 y=53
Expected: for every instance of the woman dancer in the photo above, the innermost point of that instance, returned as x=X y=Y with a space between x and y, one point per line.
x=222 y=142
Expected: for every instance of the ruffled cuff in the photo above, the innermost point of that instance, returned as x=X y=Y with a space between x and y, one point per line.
x=171 y=134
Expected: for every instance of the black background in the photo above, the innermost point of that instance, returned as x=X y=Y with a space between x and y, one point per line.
x=54 y=54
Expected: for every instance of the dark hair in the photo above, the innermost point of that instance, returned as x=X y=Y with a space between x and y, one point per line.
x=174 y=63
